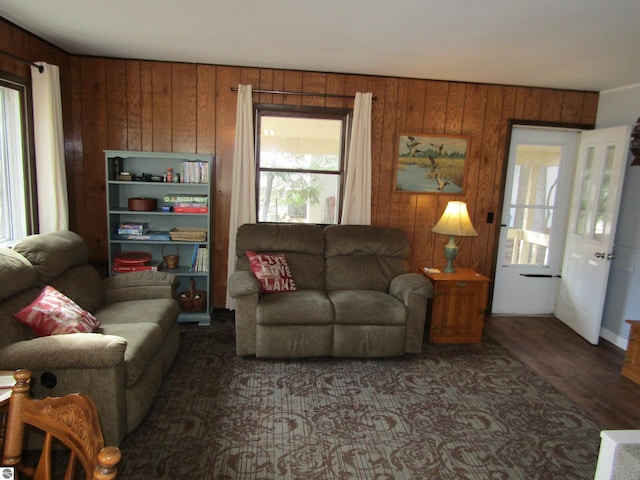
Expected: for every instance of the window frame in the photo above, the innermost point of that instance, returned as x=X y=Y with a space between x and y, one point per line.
x=23 y=87
x=296 y=111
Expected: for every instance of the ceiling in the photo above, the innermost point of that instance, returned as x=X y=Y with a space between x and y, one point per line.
x=571 y=44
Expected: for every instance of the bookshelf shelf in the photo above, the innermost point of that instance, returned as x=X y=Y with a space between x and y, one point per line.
x=145 y=165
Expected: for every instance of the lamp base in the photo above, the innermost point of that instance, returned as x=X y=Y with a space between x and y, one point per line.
x=450 y=253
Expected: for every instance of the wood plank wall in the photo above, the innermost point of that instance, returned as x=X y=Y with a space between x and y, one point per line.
x=177 y=107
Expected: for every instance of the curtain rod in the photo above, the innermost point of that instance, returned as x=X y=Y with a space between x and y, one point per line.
x=39 y=67
x=306 y=94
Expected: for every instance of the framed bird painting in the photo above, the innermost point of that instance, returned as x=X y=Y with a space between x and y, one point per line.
x=427 y=163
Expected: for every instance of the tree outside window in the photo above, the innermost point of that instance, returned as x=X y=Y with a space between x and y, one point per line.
x=300 y=163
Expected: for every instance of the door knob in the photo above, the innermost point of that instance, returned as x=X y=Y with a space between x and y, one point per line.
x=599 y=254
x=611 y=256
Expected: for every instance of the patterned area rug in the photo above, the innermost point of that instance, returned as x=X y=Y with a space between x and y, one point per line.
x=453 y=412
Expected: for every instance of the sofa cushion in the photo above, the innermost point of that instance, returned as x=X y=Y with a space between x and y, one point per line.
x=303 y=245
x=272 y=271
x=302 y=307
x=367 y=307
x=143 y=341
x=159 y=311
x=364 y=257
x=53 y=253
x=53 y=313
x=290 y=341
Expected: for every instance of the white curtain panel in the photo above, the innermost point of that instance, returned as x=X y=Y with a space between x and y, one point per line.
x=243 y=193
x=356 y=208
x=51 y=176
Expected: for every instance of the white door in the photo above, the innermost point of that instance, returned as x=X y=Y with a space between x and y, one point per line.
x=597 y=188
x=534 y=219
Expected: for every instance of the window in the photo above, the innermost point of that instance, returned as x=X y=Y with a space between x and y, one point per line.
x=17 y=206
x=300 y=159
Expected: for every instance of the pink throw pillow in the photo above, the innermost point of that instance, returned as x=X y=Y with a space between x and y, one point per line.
x=272 y=271
x=53 y=313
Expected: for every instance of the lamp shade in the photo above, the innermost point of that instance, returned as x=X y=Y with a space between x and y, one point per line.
x=455 y=221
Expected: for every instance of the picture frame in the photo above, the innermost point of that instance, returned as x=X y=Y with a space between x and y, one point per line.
x=431 y=163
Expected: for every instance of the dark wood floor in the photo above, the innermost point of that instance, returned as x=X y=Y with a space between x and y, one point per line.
x=588 y=374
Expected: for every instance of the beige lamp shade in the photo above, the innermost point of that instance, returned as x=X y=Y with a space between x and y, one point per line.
x=455 y=221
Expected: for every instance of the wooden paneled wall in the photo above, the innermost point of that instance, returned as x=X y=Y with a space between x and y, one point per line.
x=177 y=107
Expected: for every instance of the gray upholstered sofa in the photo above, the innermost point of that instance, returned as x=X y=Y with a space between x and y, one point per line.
x=122 y=364
x=355 y=297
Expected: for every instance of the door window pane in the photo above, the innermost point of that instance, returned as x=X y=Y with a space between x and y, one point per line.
x=528 y=236
x=536 y=175
x=533 y=202
x=585 y=190
x=603 y=197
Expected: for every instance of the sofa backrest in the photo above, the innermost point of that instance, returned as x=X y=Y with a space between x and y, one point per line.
x=364 y=257
x=302 y=244
x=19 y=288
x=60 y=260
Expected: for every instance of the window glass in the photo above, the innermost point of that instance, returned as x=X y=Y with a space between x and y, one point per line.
x=300 y=164
x=16 y=212
x=585 y=191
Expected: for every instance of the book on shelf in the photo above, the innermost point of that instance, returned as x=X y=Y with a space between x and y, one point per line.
x=156 y=235
x=172 y=198
x=190 y=209
x=133 y=228
x=135 y=268
x=200 y=259
x=194 y=171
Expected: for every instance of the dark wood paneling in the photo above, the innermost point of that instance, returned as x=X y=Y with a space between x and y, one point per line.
x=184 y=82
x=161 y=105
x=134 y=106
x=146 y=106
x=95 y=137
x=206 y=109
x=226 y=102
x=74 y=149
x=117 y=107
x=164 y=106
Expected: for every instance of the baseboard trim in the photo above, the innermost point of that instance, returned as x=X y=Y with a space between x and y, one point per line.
x=614 y=338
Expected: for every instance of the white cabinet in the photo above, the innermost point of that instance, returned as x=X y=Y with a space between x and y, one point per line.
x=147 y=181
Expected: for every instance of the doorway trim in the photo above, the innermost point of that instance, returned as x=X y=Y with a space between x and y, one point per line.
x=505 y=165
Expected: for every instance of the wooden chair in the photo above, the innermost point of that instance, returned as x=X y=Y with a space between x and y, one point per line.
x=72 y=419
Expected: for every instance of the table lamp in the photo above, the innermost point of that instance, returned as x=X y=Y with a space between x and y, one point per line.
x=454 y=222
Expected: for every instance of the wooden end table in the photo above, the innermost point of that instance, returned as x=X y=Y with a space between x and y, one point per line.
x=631 y=366
x=6 y=384
x=458 y=306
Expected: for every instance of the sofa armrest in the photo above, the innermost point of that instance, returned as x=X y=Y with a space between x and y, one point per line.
x=243 y=283
x=414 y=290
x=139 y=286
x=244 y=288
x=72 y=351
x=403 y=286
